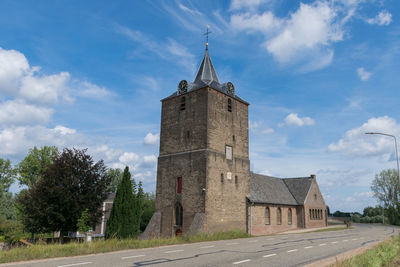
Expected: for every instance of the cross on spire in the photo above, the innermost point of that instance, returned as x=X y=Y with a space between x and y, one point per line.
x=206 y=34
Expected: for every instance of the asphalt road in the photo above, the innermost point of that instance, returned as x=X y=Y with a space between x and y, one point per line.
x=278 y=250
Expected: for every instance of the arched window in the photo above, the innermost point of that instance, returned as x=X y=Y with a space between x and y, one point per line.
x=279 y=216
x=289 y=216
x=178 y=214
x=222 y=178
x=183 y=103
x=236 y=180
x=313 y=214
x=229 y=105
x=310 y=212
x=267 y=216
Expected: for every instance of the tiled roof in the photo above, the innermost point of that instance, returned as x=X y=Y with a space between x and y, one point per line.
x=272 y=190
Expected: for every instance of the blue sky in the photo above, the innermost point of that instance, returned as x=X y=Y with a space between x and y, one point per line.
x=318 y=74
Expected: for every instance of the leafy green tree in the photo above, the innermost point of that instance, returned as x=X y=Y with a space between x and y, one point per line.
x=83 y=222
x=7 y=175
x=116 y=177
x=7 y=206
x=123 y=222
x=149 y=208
x=33 y=166
x=68 y=186
x=386 y=189
x=356 y=218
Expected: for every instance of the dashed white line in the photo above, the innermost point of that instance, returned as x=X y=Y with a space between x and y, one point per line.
x=292 y=250
x=334 y=242
x=229 y=244
x=131 y=257
x=323 y=244
x=252 y=241
x=354 y=239
x=76 y=264
x=208 y=247
x=285 y=237
x=243 y=261
x=173 y=251
x=308 y=247
x=270 y=239
x=269 y=255
x=345 y=240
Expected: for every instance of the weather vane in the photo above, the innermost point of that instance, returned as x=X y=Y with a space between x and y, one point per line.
x=206 y=34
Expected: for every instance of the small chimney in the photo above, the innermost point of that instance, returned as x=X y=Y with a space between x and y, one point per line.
x=313 y=176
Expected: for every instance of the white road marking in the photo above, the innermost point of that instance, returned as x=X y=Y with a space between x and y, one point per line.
x=252 y=241
x=76 y=264
x=229 y=244
x=269 y=255
x=354 y=239
x=130 y=257
x=270 y=239
x=293 y=250
x=208 y=247
x=323 y=244
x=173 y=251
x=334 y=242
x=345 y=240
x=308 y=247
x=243 y=261
x=285 y=237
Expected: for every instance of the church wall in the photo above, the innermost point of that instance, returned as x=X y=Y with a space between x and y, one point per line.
x=315 y=207
x=226 y=197
x=184 y=130
x=259 y=226
x=192 y=168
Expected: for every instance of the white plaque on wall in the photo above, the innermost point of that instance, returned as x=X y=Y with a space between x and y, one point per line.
x=229 y=176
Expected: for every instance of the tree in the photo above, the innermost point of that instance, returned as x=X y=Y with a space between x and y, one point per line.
x=123 y=222
x=149 y=202
x=7 y=207
x=33 y=166
x=116 y=177
x=386 y=189
x=7 y=175
x=83 y=222
x=68 y=186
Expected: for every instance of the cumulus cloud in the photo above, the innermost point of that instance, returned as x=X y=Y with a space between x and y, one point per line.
x=240 y=4
x=91 y=90
x=13 y=66
x=128 y=158
x=363 y=74
x=149 y=161
x=151 y=139
x=294 y=119
x=310 y=27
x=17 y=112
x=266 y=22
x=382 y=19
x=356 y=143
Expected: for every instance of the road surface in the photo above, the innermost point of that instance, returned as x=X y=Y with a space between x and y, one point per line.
x=278 y=250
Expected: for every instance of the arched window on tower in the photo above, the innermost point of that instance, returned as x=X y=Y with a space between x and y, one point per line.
x=289 y=215
x=183 y=103
x=279 y=216
x=267 y=216
x=229 y=105
x=178 y=214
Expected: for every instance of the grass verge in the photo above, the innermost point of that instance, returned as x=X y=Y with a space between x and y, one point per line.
x=74 y=249
x=332 y=229
x=383 y=254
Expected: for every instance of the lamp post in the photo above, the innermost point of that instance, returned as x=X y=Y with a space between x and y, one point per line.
x=397 y=158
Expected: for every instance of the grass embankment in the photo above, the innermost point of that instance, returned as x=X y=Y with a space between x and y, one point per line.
x=386 y=254
x=74 y=249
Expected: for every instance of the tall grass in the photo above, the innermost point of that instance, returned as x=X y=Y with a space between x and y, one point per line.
x=380 y=255
x=101 y=246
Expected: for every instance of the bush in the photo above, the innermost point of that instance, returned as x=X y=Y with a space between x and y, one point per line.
x=12 y=231
x=356 y=218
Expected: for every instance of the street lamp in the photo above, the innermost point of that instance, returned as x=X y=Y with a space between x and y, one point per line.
x=397 y=157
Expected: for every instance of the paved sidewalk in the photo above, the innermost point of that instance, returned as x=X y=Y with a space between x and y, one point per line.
x=312 y=229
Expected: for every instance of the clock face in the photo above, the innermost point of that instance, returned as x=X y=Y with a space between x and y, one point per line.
x=182 y=87
x=230 y=88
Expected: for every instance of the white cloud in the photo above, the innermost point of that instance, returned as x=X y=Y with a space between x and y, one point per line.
x=253 y=125
x=189 y=10
x=17 y=112
x=149 y=161
x=91 y=90
x=45 y=89
x=13 y=66
x=128 y=158
x=268 y=131
x=265 y=23
x=383 y=18
x=310 y=27
x=240 y=4
x=363 y=74
x=294 y=119
x=356 y=143
x=151 y=139
x=64 y=130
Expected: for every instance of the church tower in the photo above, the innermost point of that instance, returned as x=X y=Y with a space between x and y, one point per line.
x=203 y=172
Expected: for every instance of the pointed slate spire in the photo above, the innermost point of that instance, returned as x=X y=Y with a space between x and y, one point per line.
x=206 y=74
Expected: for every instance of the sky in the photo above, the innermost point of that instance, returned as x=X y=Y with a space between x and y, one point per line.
x=317 y=74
